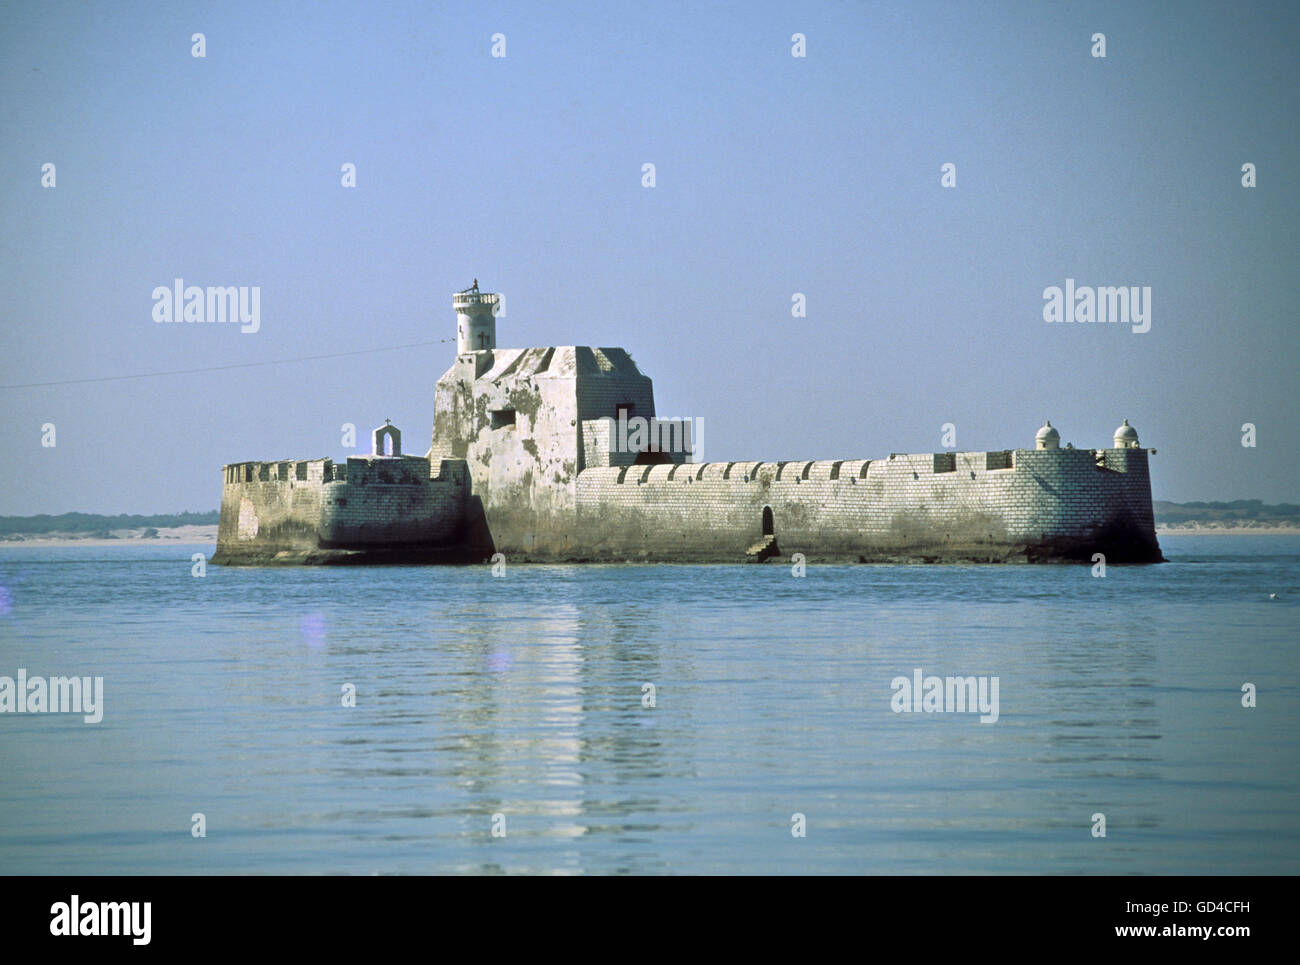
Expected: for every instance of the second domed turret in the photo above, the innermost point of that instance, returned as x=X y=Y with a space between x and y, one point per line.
x=1126 y=437
x=1047 y=437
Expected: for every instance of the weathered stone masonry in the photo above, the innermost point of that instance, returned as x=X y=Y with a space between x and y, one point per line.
x=523 y=462
x=1047 y=504
x=316 y=510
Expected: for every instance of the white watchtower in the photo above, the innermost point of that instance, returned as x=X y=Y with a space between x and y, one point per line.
x=476 y=322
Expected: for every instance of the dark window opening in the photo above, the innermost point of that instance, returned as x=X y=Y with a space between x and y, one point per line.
x=301 y=470
x=263 y=473
x=652 y=457
x=945 y=462
x=502 y=418
x=998 y=460
x=769 y=527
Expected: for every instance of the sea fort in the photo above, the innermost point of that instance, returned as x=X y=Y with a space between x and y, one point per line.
x=530 y=457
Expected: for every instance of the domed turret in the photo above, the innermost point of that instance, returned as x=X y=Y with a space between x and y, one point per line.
x=1126 y=437
x=1048 y=437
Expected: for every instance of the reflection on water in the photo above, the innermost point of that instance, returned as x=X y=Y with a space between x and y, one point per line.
x=517 y=703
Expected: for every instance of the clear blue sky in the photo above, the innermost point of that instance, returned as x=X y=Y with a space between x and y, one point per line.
x=775 y=175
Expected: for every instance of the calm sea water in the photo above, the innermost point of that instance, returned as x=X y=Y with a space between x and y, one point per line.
x=522 y=696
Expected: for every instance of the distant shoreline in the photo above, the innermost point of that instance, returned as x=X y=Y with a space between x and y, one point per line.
x=1178 y=530
x=165 y=536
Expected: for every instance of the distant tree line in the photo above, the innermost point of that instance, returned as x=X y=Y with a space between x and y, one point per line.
x=1237 y=510
x=93 y=523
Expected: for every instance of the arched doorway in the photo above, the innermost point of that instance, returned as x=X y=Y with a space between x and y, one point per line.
x=769 y=529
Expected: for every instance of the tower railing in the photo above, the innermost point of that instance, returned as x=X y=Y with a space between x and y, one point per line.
x=474 y=299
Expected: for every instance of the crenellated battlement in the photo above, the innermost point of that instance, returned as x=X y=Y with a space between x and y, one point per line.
x=990 y=505
x=797 y=471
x=297 y=510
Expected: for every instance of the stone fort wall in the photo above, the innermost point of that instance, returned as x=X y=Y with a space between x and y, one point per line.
x=269 y=507
x=301 y=507
x=971 y=505
x=382 y=504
